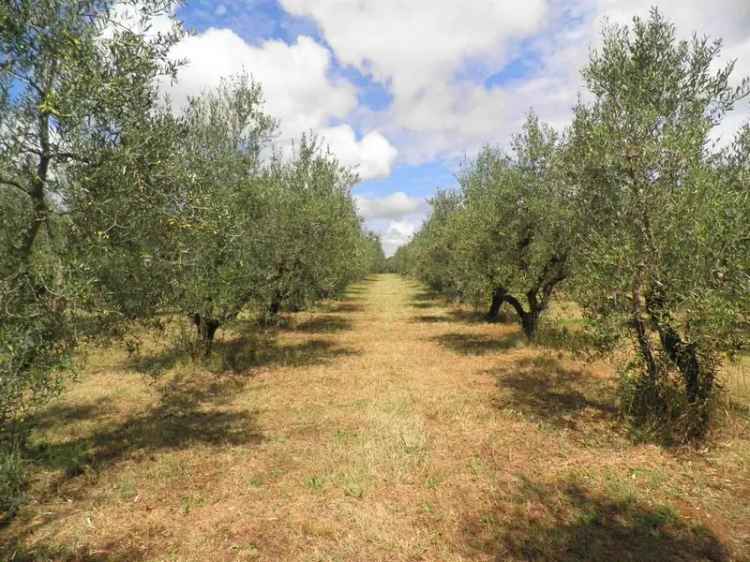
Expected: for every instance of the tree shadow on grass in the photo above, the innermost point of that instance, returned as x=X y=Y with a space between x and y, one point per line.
x=354 y=293
x=17 y=552
x=58 y=414
x=324 y=324
x=192 y=410
x=478 y=344
x=343 y=307
x=424 y=305
x=431 y=319
x=426 y=299
x=426 y=296
x=550 y=334
x=555 y=336
x=159 y=362
x=568 y=523
x=545 y=390
x=250 y=352
x=466 y=316
x=246 y=347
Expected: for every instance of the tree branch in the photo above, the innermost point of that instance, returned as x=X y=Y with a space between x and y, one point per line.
x=516 y=304
x=70 y=156
x=12 y=183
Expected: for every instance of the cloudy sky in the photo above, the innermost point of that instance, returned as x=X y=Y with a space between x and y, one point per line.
x=405 y=90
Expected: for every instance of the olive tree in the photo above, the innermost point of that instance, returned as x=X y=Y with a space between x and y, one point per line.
x=434 y=246
x=541 y=224
x=71 y=81
x=370 y=255
x=313 y=234
x=506 y=235
x=216 y=263
x=664 y=260
x=479 y=261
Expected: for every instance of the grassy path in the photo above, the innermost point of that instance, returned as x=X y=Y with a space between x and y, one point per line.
x=384 y=427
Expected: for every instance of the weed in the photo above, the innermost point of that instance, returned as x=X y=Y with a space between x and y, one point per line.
x=12 y=480
x=315 y=483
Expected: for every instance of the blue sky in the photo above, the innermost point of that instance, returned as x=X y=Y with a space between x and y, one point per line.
x=404 y=91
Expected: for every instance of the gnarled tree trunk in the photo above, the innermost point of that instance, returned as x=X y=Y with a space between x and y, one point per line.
x=698 y=376
x=206 y=328
x=498 y=297
x=274 y=307
x=529 y=319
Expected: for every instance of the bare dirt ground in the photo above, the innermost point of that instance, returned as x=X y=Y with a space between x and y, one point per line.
x=387 y=427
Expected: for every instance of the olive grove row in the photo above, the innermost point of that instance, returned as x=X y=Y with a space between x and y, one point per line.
x=634 y=212
x=117 y=208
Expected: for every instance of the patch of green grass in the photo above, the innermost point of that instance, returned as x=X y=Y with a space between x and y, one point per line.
x=477 y=467
x=12 y=480
x=354 y=490
x=653 y=521
x=619 y=489
x=255 y=482
x=169 y=468
x=344 y=437
x=70 y=457
x=432 y=482
x=315 y=482
x=127 y=489
x=490 y=521
x=588 y=518
x=189 y=503
x=652 y=478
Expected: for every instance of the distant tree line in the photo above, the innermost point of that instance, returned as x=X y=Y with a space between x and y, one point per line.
x=632 y=211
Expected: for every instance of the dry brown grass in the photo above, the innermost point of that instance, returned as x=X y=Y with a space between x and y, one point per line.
x=387 y=427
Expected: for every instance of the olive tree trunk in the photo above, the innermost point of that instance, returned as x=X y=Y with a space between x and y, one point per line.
x=206 y=328
x=498 y=297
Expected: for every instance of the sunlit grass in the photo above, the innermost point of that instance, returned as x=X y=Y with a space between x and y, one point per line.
x=389 y=426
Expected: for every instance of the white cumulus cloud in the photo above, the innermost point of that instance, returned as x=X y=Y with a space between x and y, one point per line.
x=294 y=77
x=418 y=49
x=394 y=206
x=410 y=44
x=371 y=157
x=398 y=233
x=297 y=87
x=433 y=57
x=395 y=217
